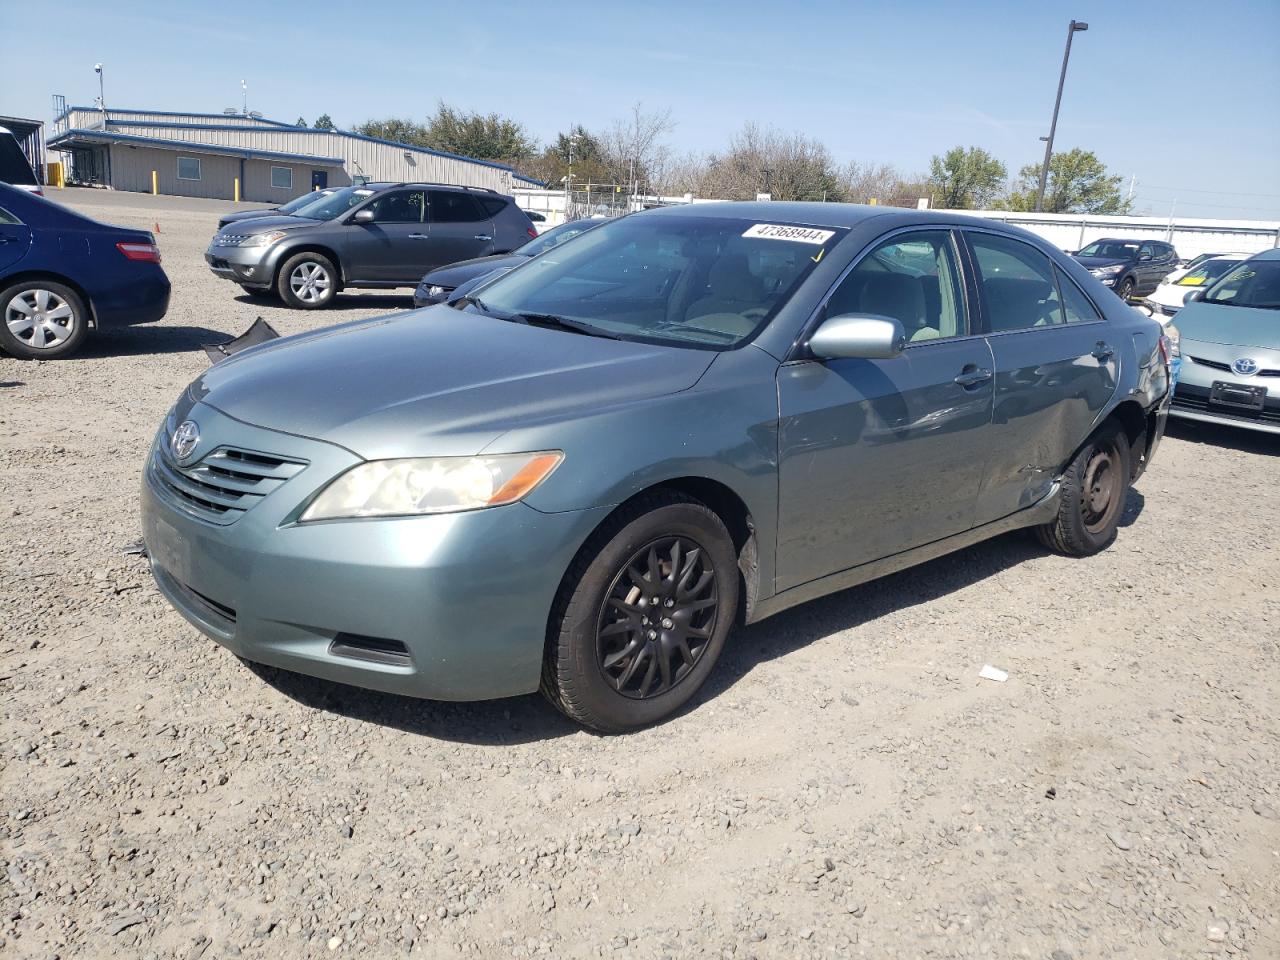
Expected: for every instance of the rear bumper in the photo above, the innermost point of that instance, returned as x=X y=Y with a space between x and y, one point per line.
x=142 y=299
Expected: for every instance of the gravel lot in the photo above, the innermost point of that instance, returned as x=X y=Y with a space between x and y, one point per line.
x=846 y=787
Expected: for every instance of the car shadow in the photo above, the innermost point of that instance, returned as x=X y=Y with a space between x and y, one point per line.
x=343 y=301
x=136 y=341
x=527 y=719
x=1233 y=438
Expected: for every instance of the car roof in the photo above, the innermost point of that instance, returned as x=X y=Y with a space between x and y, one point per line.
x=839 y=215
x=1272 y=254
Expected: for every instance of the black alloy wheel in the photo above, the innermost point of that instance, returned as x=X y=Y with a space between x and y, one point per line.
x=657 y=618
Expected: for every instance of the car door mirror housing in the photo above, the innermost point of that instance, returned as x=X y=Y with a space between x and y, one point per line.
x=1144 y=257
x=866 y=336
x=1193 y=296
x=364 y=215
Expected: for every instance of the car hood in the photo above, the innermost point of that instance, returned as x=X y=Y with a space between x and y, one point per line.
x=246 y=215
x=437 y=382
x=459 y=273
x=271 y=222
x=1240 y=326
x=1093 y=263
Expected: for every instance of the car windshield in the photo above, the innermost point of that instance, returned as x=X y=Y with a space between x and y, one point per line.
x=1254 y=283
x=1207 y=272
x=297 y=203
x=1116 y=249
x=556 y=236
x=703 y=282
x=335 y=204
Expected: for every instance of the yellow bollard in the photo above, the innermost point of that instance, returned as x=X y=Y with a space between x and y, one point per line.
x=155 y=183
x=873 y=202
x=237 y=189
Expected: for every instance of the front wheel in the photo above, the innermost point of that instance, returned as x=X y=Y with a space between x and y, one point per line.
x=1094 y=488
x=307 y=281
x=1125 y=290
x=642 y=616
x=42 y=320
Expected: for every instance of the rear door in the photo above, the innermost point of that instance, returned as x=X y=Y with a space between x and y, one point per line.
x=878 y=456
x=15 y=239
x=392 y=247
x=460 y=228
x=1055 y=369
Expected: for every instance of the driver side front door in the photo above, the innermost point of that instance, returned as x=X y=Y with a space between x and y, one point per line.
x=388 y=249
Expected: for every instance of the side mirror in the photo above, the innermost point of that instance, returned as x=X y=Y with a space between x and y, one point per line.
x=858 y=335
x=1197 y=294
x=1144 y=257
x=363 y=215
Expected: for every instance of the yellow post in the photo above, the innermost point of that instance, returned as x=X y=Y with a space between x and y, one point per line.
x=237 y=189
x=873 y=202
x=155 y=183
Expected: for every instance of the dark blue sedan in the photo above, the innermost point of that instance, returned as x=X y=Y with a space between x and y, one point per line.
x=63 y=275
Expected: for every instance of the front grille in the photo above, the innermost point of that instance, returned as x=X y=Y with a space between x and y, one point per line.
x=223 y=484
x=1226 y=367
x=1187 y=401
x=230 y=239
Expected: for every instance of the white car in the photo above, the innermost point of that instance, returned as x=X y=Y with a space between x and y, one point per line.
x=1167 y=299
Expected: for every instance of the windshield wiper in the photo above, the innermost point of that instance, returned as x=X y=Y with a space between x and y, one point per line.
x=564 y=323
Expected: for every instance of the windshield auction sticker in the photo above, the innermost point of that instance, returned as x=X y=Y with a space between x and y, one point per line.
x=776 y=231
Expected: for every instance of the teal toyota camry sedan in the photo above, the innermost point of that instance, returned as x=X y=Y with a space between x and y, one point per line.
x=581 y=476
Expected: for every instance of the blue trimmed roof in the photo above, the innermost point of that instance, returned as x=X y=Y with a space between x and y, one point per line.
x=176 y=113
x=106 y=136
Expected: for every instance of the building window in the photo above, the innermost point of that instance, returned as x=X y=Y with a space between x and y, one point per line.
x=282 y=177
x=188 y=168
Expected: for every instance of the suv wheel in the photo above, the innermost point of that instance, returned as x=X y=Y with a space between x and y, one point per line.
x=42 y=320
x=1125 y=290
x=307 y=281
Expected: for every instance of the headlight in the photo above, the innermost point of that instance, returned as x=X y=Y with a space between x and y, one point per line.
x=1175 y=338
x=402 y=488
x=263 y=239
x=435 y=291
x=1107 y=271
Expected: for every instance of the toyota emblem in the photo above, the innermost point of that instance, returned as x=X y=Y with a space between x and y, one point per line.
x=185 y=439
x=1245 y=366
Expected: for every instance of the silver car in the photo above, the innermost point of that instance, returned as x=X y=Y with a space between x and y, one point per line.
x=1229 y=339
x=580 y=477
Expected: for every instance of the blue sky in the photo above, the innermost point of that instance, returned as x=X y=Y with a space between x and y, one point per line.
x=1181 y=95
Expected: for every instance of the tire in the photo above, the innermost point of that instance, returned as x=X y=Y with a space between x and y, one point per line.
x=42 y=320
x=307 y=281
x=642 y=561
x=1094 y=488
x=1125 y=290
x=258 y=293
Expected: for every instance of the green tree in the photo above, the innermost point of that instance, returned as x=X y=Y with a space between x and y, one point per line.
x=324 y=122
x=481 y=136
x=575 y=151
x=1077 y=183
x=300 y=122
x=394 y=128
x=966 y=178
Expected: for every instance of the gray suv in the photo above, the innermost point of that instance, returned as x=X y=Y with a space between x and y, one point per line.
x=378 y=235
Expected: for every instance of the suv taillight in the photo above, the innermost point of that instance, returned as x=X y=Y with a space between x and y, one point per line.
x=533 y=234
x=146 y=252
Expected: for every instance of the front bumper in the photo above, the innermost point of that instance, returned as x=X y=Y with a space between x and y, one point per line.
x=429 y=294
x=247 y=266
x=1193 y=399
x=465 y=596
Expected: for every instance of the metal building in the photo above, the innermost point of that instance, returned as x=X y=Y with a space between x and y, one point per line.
x=214 y=155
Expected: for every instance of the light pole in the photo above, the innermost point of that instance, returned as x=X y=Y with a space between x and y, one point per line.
x=1075 y=27
x=102 y=100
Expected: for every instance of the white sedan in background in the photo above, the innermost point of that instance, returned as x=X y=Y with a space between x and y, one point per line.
x=1167 y=299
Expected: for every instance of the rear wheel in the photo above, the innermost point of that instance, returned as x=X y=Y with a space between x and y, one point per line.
x=307 y=281
x=1094 y=489
x=42 y=320
x=642 y=616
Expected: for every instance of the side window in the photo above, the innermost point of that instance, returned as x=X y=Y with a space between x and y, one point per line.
x=188 y=168
x=282 y=178
x=400 y=206
x=495 y=205
x=1018 y=286
x=912 y=278
x=1145 y=251
x=450 y=207
x=1078 y=307
x=8 y=218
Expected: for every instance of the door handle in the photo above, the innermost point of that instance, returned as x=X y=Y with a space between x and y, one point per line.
x=972 y=378
x=418 y=236
x=1103 y=350
x=482 y=236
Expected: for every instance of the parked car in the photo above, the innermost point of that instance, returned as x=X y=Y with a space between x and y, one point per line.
x=580 y=479
x=439 y=285
x=1131 y=268
x=539 y=220
x=285 y=209
x=1229 y=338
x=1188 y=265
x=376 y=236
x=1167 y=299
x=63 y=275
x=15 y=168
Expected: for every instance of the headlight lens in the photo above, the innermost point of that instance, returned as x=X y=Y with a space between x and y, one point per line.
x=1175 y=339
x=412 y=487
x=1107 y=271
x=263 y=239
x=435 y=291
